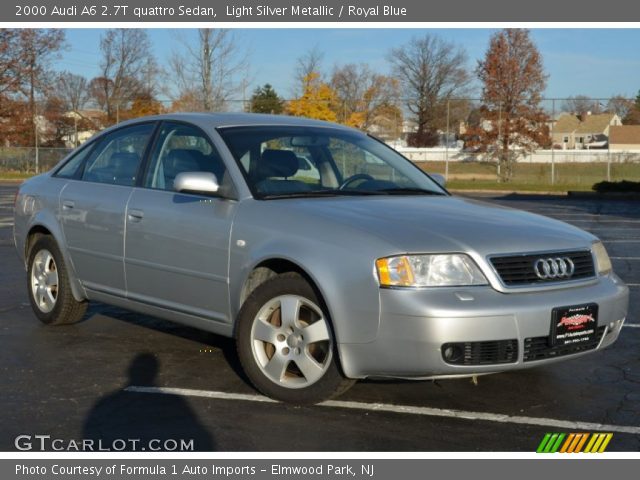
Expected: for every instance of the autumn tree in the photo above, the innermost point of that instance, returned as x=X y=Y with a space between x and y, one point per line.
x=633 y=115
x=620 y=105
x=431 y=72
x=513 y=80
x=127 y=70
x=12 y=67
x=363 y=96
x=266 y=100
x=142 y=105
x=317 y=101
x=210 y=70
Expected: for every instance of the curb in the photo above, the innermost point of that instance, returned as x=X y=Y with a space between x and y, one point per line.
x=605 y=195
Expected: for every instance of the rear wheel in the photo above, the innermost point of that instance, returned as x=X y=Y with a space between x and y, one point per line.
x=49 y=290
x=286 y=345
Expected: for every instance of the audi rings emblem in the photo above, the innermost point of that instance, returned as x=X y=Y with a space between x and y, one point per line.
x=554 y=268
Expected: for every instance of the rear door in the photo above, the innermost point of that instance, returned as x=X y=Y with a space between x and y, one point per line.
x=92 y=208
x=177 y=245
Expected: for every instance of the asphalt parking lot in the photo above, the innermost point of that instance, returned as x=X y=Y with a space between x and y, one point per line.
x=79 y=381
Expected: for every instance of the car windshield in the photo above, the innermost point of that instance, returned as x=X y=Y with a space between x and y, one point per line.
x=290 y=161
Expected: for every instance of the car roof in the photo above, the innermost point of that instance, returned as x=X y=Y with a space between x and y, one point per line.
x=237 y=119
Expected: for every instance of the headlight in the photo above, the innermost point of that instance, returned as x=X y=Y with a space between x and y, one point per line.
x=447 y=270
x=603 y=263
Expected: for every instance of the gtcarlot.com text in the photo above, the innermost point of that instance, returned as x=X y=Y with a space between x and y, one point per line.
x=45 y=443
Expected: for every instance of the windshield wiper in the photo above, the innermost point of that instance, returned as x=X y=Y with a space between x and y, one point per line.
x=321 y=193
x=309 y=193
x=409 y=191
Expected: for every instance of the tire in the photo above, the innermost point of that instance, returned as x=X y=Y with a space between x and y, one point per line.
x=48 y=285
x=274 y=353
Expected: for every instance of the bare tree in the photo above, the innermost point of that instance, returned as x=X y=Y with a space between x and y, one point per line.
x=581 y=105
x=73 y=91
x=126 y=56
x=38 y=47
x=307 y=65
x=210 y=71
x=363 y=95
x=431 y=71
x=72 y=96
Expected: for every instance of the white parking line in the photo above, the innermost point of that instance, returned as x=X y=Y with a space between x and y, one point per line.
x=410 y=410
x=624 y=258
x=632 y=325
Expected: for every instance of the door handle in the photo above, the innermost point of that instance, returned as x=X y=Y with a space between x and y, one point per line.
x=135 y=215
x=67 y=204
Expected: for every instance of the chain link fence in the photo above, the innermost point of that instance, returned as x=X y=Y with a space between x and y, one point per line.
x=578 y=155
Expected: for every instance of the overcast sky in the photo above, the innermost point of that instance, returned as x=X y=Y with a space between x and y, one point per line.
x=593 y=62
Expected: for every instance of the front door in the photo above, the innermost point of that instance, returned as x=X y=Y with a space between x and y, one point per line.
x=177 y=245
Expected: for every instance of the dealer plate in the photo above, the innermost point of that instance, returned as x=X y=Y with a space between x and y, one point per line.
x=574 y=325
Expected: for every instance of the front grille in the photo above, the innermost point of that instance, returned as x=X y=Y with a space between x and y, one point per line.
x=480 y=353
x=518 y=270
x=538 y=348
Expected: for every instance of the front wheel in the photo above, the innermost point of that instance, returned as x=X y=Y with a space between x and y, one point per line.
x=48 y=282
x=286 y=345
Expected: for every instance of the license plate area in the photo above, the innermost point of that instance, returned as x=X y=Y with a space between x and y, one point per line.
x=573 y=325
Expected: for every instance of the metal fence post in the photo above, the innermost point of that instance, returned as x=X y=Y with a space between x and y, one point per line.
x=446 y=145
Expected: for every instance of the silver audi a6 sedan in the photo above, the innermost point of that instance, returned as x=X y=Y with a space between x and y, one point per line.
x=325 y=254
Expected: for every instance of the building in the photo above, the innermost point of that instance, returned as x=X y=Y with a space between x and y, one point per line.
x=583 y=131
x=625 y=137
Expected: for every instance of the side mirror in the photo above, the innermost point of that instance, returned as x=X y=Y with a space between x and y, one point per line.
x=440 y=180
x=196 y=182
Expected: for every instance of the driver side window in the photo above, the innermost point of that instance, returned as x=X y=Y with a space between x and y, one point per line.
x=182 y=148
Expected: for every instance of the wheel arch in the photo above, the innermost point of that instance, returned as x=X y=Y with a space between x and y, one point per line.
x=273 y=266
x=38 y=230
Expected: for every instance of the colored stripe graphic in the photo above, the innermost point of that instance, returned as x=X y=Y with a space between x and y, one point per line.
x=574 y=443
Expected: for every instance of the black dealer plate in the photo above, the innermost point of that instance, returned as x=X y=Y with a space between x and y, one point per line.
x=574 y=325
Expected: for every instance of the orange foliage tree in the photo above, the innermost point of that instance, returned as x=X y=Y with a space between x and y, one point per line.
x=317 y=101
x=511 y=117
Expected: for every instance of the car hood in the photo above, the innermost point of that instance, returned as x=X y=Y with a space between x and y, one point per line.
x=436 y=224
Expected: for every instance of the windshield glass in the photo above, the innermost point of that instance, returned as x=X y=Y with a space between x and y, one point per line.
x=285 y=161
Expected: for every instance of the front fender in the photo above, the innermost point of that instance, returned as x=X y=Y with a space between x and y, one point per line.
x=345 y=281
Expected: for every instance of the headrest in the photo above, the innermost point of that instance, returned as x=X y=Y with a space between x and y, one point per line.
x=120 y=159
x=184 y=159
x=277 y=163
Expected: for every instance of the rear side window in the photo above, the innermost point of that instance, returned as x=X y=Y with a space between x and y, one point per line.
x=70 y=169
x=117 y=157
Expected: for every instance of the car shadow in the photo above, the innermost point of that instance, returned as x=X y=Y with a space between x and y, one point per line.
x=135 y=421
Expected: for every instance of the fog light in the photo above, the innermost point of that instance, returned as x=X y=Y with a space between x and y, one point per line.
x=451 y=352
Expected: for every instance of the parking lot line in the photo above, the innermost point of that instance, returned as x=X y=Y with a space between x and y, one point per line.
x=632 y=325
x=404 y=409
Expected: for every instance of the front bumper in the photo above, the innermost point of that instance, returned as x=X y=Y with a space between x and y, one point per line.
x=415 y=323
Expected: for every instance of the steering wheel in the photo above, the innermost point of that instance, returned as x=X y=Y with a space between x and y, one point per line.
x=353 y=178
